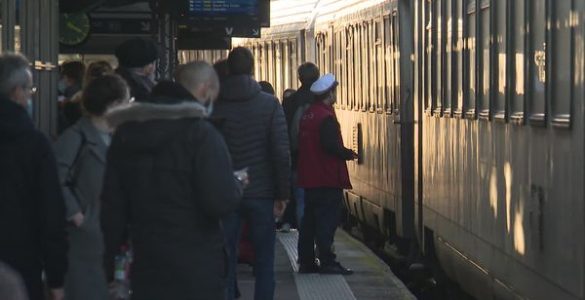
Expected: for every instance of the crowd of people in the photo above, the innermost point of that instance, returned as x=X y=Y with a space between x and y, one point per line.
x=172 y=169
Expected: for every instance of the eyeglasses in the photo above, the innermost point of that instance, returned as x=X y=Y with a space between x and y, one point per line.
x=32 y=89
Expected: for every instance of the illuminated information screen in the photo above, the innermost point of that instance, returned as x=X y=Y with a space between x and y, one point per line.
x=223 y=7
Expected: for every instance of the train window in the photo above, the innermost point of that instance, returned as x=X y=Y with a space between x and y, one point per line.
x=562 y=62
x=358 y=66
x=347 y=66
x=501 y=38
x=519 y=62
x=379 y=63
x=366 y=66
x=388 y=82
x=271 y=65
x=260 y=59
x=338 y=63
x=396 y=62
x=294 y=62
x=448 y=57
x=439 y=44
x=428 y=58
x=286 y=80
x=351 y=97
x=277 y=79
x=538 y=62
x=373 y=74
x=471 y=60
x=458 y=48
x=485 y=60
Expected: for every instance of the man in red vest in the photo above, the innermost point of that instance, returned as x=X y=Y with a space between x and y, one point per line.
x=322 y=171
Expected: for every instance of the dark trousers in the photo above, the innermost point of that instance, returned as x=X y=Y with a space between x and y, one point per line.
x=322 y=213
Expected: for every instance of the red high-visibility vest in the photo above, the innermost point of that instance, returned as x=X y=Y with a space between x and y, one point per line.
x=316 y=168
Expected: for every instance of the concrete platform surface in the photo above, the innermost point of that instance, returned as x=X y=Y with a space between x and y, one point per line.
x=372 y=279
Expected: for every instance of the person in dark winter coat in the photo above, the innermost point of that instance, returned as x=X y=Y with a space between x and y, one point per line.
x=32 y=210
x=254 y=127
x=137 y=65
x=81 y=157
x=294 y=108
x=323 y=174
x=168 y=182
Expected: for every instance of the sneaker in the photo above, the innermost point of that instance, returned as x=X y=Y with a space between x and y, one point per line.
x=308 y=269
x=335 y=268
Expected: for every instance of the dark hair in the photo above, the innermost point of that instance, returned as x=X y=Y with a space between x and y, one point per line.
x=266 y=87
x=290 y=92
x=74 y=70
x=97 y=69
x=240 y=61
x=308 y=73
x=102 y=92
x=221 y=68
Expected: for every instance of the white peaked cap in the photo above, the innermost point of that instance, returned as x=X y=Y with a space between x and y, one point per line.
x=324 y=84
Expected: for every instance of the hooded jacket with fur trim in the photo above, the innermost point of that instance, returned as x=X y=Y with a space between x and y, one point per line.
x=168 y=181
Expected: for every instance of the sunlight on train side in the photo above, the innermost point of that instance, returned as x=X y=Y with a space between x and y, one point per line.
x=519 y=239
x=494 y=193
x=519 y=71
x=502 y=73
x=508 y=180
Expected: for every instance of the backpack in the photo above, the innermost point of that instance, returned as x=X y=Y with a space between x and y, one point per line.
x=295 y=125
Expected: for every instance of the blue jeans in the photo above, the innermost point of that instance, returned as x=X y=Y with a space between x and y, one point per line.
x=260 y=217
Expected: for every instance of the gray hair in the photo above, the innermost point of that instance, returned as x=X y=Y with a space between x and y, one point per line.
x=193 y=74
x=14 y=70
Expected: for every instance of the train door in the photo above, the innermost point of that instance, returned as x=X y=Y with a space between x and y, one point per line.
x=405 y=31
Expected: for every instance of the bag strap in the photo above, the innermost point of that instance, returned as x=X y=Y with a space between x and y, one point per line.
x=73 y=166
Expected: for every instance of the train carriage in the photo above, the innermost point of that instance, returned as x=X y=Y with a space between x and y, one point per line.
x=468 y=118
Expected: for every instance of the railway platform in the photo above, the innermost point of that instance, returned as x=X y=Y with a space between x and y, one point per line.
x=372 y=280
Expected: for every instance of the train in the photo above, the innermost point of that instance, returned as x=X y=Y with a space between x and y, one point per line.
x=468 y=119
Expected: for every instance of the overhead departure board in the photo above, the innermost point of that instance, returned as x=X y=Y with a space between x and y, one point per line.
x=223 y=7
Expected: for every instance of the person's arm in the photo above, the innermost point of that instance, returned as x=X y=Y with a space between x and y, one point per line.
x=280 y=153
x=329 y=137
x=52 y=216
x=114 y=213
x=216 y=186
x=67 y=149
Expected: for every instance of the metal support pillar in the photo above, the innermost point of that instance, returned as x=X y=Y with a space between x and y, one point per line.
x=8 y=15
x=166 y=30
x=40 y=45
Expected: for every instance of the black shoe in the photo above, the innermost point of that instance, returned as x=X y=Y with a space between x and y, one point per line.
x=335 y=268
x=308 y=269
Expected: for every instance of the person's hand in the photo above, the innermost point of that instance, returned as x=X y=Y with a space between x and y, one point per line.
x=78 y=219
x=57 y=294
x=354 y=155
x=242 y=176
x=279 y=207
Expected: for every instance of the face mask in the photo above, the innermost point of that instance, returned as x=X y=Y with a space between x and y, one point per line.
x=61 y=86
x=29 y=107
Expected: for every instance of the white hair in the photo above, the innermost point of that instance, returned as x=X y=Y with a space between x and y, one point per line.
x=14 y=72
x=193 y=74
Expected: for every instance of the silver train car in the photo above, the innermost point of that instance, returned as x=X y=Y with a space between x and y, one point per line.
x=468 y=117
